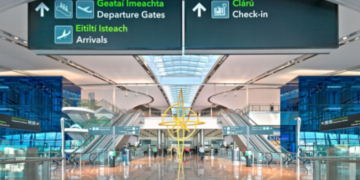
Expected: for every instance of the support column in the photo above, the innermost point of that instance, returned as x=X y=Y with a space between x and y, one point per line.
x=149 y=111
x=247 y=95
x=202 y=138
x=159 y=138
x=63 y=155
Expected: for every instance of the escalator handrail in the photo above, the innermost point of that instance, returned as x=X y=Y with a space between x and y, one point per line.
x=254 y=145
x=84 y=144
x=261 y=139
x=282 y=148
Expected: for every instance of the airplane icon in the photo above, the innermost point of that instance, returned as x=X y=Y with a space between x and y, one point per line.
x=64 y=35
x=86 y=9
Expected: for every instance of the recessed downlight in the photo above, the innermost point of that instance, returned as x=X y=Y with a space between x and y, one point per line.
x=344 y=38
x=25 y=42
x=357 y=38
x=17 y=38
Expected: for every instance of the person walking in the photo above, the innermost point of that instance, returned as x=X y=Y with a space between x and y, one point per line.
x=165 y=152
x=272 y=107
x=197 y=112
x=155 y=150
x=124 y=156
x=202 y=152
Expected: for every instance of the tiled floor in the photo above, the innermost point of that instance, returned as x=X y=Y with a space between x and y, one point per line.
x=193 y=169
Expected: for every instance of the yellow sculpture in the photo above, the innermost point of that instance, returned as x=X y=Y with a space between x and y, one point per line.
x=181 y=123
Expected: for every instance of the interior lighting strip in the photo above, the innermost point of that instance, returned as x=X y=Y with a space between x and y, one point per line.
x=148 y=70
x=220 y=62
x=6 y=36
x=355 y=36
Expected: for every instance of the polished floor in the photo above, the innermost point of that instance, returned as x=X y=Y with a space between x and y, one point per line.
x=191 y=169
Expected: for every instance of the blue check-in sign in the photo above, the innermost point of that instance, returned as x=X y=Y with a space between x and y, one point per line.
x=85 y=9
x=220 y=9
x=63 y=34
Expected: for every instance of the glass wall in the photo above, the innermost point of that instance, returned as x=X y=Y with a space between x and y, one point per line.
x=317 y=98
x=38 y=99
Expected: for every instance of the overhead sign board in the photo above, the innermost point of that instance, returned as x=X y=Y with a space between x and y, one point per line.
x=234 y=130
x=117 y=130
x=7 y=121
x=145 y=141
x=253 y=130
x=260 y=26
x=127 y=130
x=217 y=141
x=105 y=26
x=261 y=130
x=108 y=130
x=340 y=123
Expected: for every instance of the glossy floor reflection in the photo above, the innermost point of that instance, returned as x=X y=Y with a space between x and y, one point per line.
x=193 y=169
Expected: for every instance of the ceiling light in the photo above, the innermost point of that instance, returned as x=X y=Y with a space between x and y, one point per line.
x=16 y=38
x=13 y=42
x=357 y=38
x=347 y=42
x=3 y=38
x=25 y=42
x=344 y=38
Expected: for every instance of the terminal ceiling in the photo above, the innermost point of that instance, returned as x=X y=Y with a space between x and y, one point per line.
x=125 y=69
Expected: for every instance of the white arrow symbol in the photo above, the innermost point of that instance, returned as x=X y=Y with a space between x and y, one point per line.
x=41 y=7
x=199 y=7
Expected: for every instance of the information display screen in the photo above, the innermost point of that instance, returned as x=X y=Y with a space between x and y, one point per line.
x=260 y=24
x=234 y=130
x=7 y=121
x=125 y=26
x=340 y=123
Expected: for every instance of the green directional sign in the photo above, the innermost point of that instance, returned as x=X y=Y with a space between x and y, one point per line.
x=105 y=26
x=341 y=123
x=7 y=121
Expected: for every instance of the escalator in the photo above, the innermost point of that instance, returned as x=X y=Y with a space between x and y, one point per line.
x=257 y=143
x=290 y=156
x=97 y=148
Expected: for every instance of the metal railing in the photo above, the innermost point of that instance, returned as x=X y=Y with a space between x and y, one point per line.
x=261 y=108
x=27 y=168
x=335 y=168
x=92 y=104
